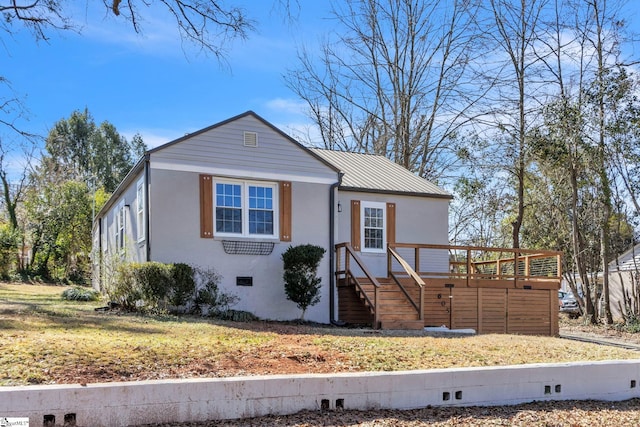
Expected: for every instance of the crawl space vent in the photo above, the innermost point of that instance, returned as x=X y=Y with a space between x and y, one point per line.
x=250 y=139
x=235 y=247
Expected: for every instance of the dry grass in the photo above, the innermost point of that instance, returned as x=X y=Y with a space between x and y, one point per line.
x=46 y=340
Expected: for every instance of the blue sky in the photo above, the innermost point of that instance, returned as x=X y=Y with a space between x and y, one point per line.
x=153 y=83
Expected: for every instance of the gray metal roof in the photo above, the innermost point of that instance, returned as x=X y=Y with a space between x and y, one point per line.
x=373 y=173
x=628 y=261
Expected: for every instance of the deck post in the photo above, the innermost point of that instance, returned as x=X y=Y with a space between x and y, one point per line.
x=421 y=312
x=416 y=257
x=559 y=267
x=515 y=269
x=376 y=322
x=468 y=267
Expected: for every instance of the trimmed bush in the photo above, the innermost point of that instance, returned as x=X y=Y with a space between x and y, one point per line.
x=153 y=286
x=155 y=282
x=184 y=286
x=300 y=282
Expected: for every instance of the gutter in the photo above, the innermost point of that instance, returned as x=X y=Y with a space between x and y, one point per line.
x=332 y=252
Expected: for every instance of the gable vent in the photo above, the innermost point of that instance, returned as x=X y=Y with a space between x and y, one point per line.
x=250 y=139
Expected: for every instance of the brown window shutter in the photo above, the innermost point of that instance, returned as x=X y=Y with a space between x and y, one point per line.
x=391 y=224
x=285 y=211
x=206 y=206
x=355 y=225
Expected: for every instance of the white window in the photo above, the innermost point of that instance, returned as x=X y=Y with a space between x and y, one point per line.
x=374 y=227
x=120 y=228
x=140 y=210
x=246 y=209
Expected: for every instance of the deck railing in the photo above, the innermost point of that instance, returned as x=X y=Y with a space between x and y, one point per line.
x=410 y=272
x=345 y=272
x=478 y=264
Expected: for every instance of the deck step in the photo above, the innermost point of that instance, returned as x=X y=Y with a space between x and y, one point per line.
x=414 y=325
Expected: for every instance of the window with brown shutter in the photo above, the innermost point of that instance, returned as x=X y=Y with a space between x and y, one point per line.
x=357 y=223
x=208 y=221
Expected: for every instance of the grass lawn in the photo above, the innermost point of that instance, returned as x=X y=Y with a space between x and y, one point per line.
x=46 y=340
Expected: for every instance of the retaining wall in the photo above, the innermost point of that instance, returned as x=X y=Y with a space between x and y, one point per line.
x=141 y=402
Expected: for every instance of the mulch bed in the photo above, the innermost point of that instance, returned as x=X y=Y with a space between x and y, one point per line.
x=570 y=413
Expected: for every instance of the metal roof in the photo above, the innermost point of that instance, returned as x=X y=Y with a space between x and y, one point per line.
x=628 y=261
x=374 y=173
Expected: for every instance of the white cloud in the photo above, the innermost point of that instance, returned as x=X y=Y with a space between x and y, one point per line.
x=287 y=105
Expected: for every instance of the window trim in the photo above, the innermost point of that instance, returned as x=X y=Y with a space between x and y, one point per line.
x=244 y=207
x=120 y=227
x=376 y=205
x=140 y=210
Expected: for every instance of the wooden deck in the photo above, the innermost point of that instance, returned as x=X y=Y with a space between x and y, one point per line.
x=516 y=294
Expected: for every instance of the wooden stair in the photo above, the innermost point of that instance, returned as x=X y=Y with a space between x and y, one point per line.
x=394 y=311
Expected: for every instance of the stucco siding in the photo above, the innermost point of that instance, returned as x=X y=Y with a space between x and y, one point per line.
x=176 y=237
x=623 y=293
x=221 y=150
x=107 y=252
x=418 y=220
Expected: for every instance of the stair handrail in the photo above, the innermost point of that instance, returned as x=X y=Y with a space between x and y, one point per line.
x=350 y=253
x=417 y=280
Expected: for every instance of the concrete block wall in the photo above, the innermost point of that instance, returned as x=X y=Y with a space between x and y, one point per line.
x=143 y=402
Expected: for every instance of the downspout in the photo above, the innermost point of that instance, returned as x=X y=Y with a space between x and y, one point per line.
x=147 y=185
x=332 y=251
x=99 y=256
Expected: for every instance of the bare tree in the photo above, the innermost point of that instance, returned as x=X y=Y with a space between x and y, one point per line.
x=514 y=33
x=210 y=24
x=562 y=150
x=393 y=80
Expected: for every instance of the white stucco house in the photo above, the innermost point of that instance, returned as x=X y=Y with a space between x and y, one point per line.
x=235 y=195
x=624 y=284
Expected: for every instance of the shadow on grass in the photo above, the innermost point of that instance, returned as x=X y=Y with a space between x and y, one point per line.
x=15 y=315
x=311 y=328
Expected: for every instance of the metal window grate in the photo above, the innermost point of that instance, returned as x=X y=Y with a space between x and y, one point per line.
x=236 y=247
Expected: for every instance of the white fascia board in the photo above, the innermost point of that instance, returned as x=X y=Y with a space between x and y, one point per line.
x=242 y=174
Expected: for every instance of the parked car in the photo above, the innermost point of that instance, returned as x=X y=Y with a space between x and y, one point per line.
x=568 y=304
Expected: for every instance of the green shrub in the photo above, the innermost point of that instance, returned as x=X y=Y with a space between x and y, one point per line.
x=209 y=294
x=236 y=315
x=301 y=284
x=78 y=293
x=631 y=324
x=153 y=285
x=8 y=250
x=155 y=282
x=183 y=287
x=124 y=289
